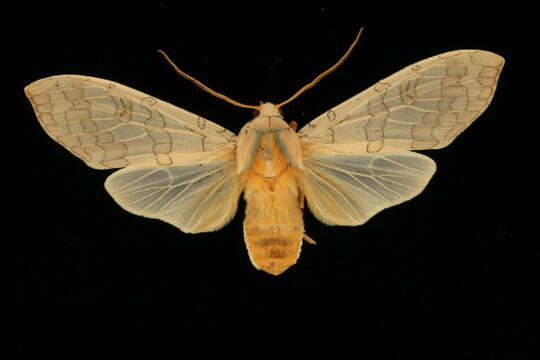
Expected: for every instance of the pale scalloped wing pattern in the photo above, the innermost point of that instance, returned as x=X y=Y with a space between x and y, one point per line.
x=424 y=106
x=109 y=125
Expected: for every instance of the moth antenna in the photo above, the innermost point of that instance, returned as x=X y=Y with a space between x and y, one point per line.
x=325 y=73
x=204 y=87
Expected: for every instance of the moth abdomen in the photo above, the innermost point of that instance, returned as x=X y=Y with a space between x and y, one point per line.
x=273 y=247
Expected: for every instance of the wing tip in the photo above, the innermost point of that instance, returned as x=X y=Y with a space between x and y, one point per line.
x=487 y=57
x=41 y=84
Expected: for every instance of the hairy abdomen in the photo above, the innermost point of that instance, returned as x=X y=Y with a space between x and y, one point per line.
x=273 y=228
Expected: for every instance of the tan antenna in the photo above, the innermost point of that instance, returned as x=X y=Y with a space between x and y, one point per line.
x=325 y=73
x=204 y=87
x=258 y=107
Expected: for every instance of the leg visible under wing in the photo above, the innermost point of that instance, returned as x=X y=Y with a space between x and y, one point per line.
x=309 y=240
x=293 y=125
x=302 y=200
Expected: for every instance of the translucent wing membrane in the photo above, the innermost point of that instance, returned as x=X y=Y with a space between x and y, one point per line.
x=424 y=106
x=349 y=189
x=194 y=198
x=109 y=125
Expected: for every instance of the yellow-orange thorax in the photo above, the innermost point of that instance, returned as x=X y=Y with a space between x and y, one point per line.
x=273 y=228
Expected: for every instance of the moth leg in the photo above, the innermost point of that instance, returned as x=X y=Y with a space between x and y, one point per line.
x=302 y=199
x=293 y=125
x=309 y=240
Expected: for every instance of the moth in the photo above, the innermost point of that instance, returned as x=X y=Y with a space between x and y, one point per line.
x=350 y=162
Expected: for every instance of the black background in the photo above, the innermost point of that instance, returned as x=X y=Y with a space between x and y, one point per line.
x=448 y=265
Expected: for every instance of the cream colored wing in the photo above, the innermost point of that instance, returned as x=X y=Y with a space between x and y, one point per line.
x=109 y=125
x=424 y=106
x=195 y=198
x=343 y=189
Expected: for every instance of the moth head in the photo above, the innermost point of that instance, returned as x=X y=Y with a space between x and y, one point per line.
x=268 y=109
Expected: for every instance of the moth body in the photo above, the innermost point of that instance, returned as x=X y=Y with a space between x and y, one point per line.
x=268 y=156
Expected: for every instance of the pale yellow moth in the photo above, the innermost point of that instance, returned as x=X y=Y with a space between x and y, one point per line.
x=350 y=162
